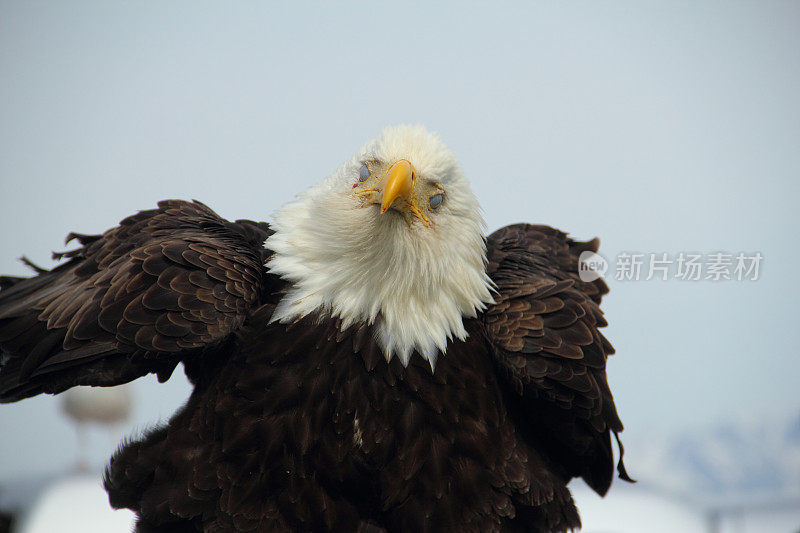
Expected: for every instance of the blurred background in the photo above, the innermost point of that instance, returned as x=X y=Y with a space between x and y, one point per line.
x=662 y=128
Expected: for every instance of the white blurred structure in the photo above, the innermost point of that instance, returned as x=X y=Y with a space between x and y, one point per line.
x=107 y=406
x=76 y=504
x=629 y=509
x=103 y=405
x=641 y=508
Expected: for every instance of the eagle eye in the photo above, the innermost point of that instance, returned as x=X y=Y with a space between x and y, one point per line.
x=435 y=201
x=363 y=174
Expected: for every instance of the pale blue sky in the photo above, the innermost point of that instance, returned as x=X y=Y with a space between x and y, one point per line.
x=659 y=127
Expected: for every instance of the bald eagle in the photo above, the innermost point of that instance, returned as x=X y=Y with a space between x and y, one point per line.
x=368 y=361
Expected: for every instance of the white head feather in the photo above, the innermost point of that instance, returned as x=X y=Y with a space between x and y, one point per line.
x=415 y=283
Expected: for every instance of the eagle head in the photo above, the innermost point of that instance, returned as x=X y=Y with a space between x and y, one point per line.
x=393 y=239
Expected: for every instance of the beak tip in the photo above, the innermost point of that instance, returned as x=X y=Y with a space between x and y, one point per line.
x=399 y=183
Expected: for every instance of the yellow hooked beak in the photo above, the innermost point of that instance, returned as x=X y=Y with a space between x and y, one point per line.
x=399 y=182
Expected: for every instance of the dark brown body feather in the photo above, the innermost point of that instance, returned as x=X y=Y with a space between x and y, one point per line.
x=307 y=427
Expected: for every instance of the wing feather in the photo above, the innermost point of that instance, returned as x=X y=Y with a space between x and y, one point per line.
x=143 y=296
x=544 y=329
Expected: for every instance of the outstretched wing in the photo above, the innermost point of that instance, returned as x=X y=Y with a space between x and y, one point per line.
x=162 y=286
x=544 y=330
